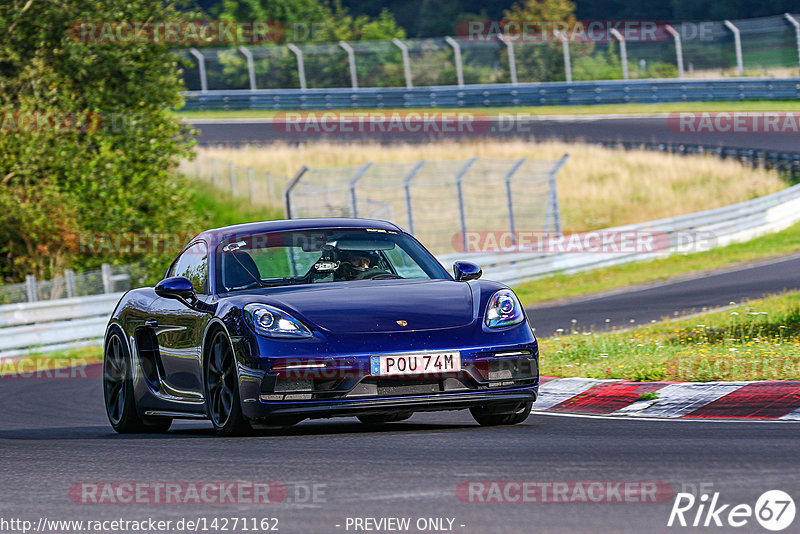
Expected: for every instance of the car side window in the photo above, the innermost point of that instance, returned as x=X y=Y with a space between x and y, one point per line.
x=193 y=264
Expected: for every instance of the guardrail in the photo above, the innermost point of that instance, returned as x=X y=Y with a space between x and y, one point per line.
x=696 y=231
x=48 y=326
x=499 y=95
x=107 y=279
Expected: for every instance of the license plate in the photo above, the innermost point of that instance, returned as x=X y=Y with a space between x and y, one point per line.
x=415 y=364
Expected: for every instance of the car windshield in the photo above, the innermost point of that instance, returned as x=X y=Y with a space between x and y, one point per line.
x=321 y=255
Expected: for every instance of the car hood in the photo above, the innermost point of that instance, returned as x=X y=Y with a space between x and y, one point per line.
x=376 y=306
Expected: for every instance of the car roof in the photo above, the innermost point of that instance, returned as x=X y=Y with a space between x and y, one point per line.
x=217 y=235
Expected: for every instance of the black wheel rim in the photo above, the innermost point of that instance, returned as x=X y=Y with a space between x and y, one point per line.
x=220 y=380
x=114 y=379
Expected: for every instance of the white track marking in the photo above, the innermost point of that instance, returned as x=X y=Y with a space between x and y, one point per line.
x=793 y=416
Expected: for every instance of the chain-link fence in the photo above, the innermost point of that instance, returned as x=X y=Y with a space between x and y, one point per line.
x=437 y=201
x=107 y=279
x=767 y=46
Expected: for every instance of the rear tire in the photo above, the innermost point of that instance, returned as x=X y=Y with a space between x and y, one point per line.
x=223 y=402
x=487 y=416
x=118 y=392
x=376 y=419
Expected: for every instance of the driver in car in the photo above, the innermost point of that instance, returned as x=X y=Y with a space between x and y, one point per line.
x=355 y=264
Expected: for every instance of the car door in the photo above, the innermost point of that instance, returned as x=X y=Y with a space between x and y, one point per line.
x=179 y=328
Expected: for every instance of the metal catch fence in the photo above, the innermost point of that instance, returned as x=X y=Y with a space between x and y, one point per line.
x=260 y=187
x=767 y=46
x=107 y=279
x=437 y=201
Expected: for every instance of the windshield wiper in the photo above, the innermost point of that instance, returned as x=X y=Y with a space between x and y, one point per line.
x=274 y=282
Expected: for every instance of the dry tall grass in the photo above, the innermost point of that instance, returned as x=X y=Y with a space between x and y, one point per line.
x=597 y=188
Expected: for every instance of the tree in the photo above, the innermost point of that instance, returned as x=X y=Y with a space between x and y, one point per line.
x=114 y=174
x=542 y=61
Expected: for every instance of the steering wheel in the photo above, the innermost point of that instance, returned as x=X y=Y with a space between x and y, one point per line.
x=377 y=274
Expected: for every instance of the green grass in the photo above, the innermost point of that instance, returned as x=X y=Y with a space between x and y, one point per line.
x=215 y=208
x=659 y=270
x=759 y=340
x=669 y=107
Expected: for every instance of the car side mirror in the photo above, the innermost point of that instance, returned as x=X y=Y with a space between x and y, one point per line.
x=176 y=287
x=465 y=270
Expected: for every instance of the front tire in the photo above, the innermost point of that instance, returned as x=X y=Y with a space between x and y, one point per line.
x=223 y=402
x=488 y=416
x=118 y=392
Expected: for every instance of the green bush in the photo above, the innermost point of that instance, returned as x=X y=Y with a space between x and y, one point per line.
x=116 y=174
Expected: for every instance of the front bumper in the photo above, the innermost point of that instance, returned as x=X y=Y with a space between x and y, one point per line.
x=430 y=403
x=344 y=386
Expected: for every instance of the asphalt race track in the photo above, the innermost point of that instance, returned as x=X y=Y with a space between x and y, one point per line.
x=53 y=434
x=695 y=295
x=618 y=128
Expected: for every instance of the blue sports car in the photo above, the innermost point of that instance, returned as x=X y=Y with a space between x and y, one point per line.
x=266 y=324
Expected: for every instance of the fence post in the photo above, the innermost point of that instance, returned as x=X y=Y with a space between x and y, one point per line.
x=565 y=51
x=553 y=203
x=509 y=199
x=406 y=62
x=69 y=282
x=407 y=187
x=251 y=68
x=108 y=284
x=512 y=61
x=214 y=172
x=252 y=184
x=233 y=179
x=301 y=69
x=30 y=288
x=457 y=58
x=623 y=51
x=201 y=66
x=678 y=48
x=288 y=191
x=270 y=189
x=356 y=177
x=737 y=43
x=461 y=215
x=351 y=59
x=794 y=22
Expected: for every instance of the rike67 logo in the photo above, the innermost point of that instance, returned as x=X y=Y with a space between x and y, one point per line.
x=774 y=510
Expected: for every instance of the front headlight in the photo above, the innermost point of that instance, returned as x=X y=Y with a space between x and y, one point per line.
x=272 y=322
x=504 y=309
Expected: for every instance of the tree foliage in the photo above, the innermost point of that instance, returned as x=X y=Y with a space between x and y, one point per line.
x=116 y=174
